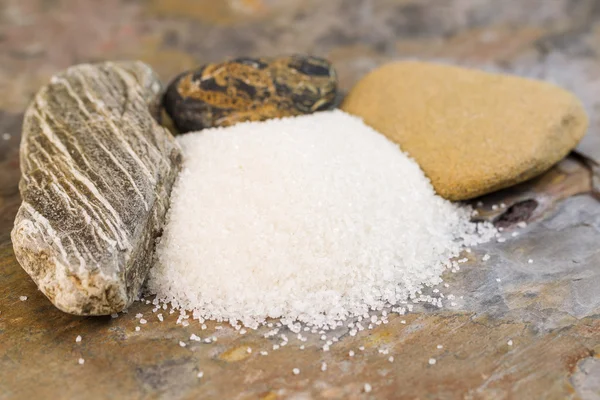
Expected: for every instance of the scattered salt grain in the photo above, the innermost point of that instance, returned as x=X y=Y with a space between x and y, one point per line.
x=501 y=240
x=439 y=346
x=530 y=261
x=351 y=353
x=522 y=224
x=296 y=371
x=264 y=353
x=391 y=359
x=78 y=339
x=317 y=209
x=6 y=136
x=432 y=361
x=323 y=366
x=486 y=257
x=22 y=298
x=249 y=350
x=368 y=388
x=143 y=321
x=403 y=321
x=302 y=347
x=361 y=348
x=200 y=374
x=498 y=280
x=81 y=361
x=139 y=315
x=510 y=343
x=137 y=328
x=182 y=344
x=160 y=317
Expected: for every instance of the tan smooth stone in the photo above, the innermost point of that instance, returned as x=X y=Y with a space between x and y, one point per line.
x=472 y=132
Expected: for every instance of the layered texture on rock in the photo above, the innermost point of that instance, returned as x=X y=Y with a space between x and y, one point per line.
x=97 y=171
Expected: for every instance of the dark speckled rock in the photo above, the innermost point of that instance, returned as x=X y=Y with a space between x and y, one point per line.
x=97 y=173
x=249 y=89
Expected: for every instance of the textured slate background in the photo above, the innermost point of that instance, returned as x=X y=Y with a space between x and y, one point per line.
x=550 y=309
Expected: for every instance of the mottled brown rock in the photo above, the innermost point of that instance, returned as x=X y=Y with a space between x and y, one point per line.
x=249 y=89
x=97 y=171
x=472 y=132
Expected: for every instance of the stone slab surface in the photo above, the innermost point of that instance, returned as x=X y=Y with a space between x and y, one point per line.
x=549 y=309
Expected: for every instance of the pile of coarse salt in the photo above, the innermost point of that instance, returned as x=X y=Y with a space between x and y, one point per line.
x=313 y=219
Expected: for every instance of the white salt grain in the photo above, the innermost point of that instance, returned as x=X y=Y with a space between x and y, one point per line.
x=304 y=219
x=368 y=388
x=78 y=339
x=137 y=328
x=296 y=371
x=81 y=361
x=391 y=359
x=182 y=344
x=22 y=298
x=323 y=366
x=530 y=261
x=143 y=321
x=439 y=346
x=351 y=353
x=510 y=343
x=432 y=361
x=200 y=374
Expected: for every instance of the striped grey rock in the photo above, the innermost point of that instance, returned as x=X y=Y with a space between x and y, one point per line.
x=97 y=171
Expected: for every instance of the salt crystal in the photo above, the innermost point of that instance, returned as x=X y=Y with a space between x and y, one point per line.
x=530 y=261
x=361 y=348
x=139 y=315
x=510 y=343
x=81 y=361
x=323 y=366
x=522 y=224
x=137 y=328
x=160 y=317
x=351 y=353
x=439 y=346
x=296 y=371
x=143 y=321
x=78 y=338
x=486 y=257
x=368 y=388
x=263 y=353
x=233 y=168
x=200 y=374
x=6 y=136
x=22 y=298
x=182 y=344
x=432 y=361
x=391 y=359
x=302 y=347
x=249 y=350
